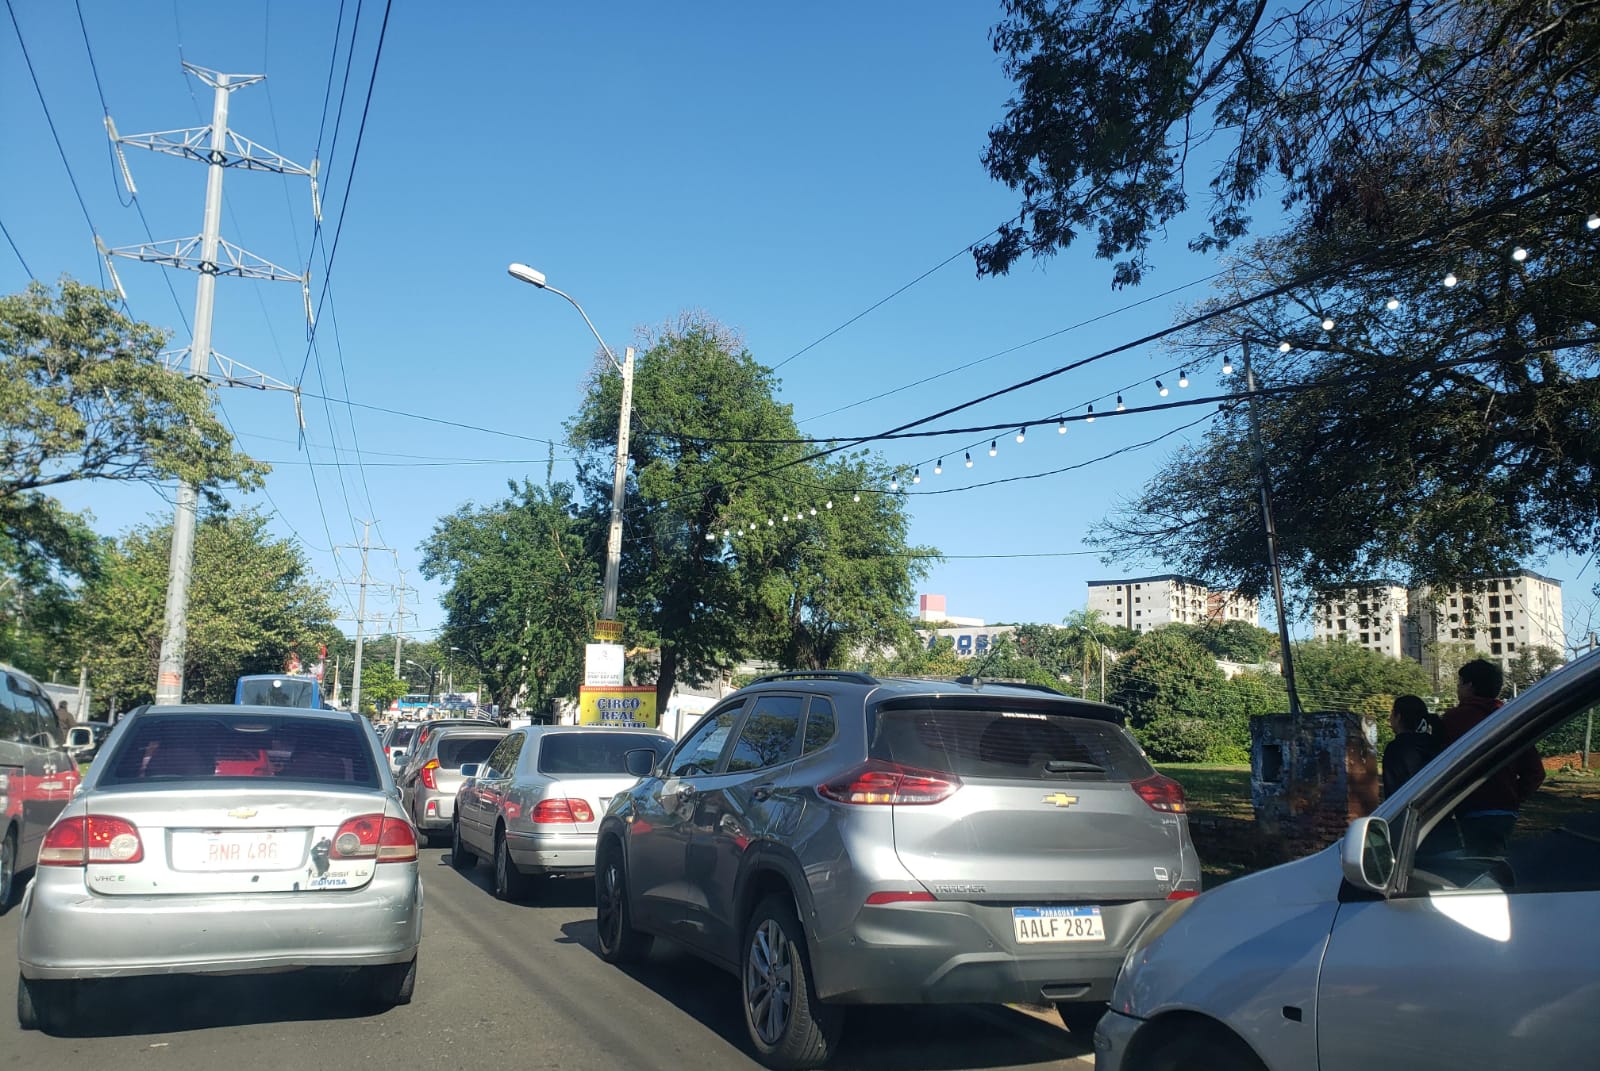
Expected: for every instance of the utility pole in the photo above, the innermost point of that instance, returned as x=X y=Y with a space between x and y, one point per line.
x=1588 y=725
x=399 y=621
x=209 y=255
x=361 y=616
x=1272 y=532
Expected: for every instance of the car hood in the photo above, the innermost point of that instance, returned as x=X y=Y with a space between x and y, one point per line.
x=1242 y=951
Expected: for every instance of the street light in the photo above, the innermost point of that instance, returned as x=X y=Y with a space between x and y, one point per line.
x=534 y=277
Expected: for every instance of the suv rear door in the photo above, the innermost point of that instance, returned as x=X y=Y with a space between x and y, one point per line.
x=1054 y=805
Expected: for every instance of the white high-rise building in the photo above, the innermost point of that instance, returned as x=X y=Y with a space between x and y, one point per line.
x=1143 y=603
x=1501 y=617
x=1372 y=615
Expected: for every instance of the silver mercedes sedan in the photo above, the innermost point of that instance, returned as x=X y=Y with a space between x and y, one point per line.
x=224 y=839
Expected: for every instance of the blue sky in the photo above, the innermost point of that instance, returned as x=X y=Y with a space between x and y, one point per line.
x=780 y=169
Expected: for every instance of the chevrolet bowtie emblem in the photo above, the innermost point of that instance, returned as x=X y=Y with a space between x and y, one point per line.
x=1061 y=799
x=242 y=812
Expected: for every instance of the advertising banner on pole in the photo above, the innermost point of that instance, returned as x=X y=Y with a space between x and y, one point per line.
x=627 y=708
x=602 y=665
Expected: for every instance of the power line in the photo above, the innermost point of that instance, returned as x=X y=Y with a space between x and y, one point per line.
x=20 y=258
x=884 y=300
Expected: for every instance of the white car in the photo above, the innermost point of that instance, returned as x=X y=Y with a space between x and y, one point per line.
x=1394 y=948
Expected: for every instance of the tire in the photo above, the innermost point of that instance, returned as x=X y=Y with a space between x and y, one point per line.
x=1211 y=1047
x=43 y=1005
x=392 y=984
x=789 y=1028
x=613 y=920
x=1081 y=1016
x=460 y=857
x=434 y=838
x=8 y=870
x=510 y=884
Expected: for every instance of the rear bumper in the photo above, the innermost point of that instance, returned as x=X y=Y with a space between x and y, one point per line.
x=552 y=853
x=956 y=952
x=442 y=814
x=68 y=932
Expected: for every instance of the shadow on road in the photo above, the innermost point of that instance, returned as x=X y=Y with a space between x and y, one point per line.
x=183 y=1003
x=923 y=1037
x=542 y=892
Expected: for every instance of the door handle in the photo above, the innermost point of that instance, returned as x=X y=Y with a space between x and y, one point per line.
x=761 y=792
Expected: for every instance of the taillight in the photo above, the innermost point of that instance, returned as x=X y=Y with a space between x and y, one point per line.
x=1183 y=894
x=1161 y=793
x=899 y=897
x=389 y=840
x=426 y=773
x=99 y=839
x=562 y=810
x=877 y=781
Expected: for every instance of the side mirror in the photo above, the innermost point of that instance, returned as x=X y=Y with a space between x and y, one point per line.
x=639 y=762
x=1367 y=855
x=469 y=770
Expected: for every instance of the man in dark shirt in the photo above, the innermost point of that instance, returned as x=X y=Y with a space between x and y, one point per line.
x=1488 y=816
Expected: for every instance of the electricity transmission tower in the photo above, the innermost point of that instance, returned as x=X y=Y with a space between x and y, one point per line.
x=209 y=254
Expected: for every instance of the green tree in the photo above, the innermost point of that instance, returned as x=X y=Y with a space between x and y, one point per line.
x=253 y=602
x=911 y=656
x=379 y=686
x=709 y=459
x=521 y=592
x=1336 y=675
x=1232 y=641
x=1531 y=665
x=1167 y=683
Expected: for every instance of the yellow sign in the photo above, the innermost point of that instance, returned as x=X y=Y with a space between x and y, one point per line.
x=607 y=631
x=627 y=708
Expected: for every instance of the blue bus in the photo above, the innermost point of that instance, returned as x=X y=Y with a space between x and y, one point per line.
x=278 y=690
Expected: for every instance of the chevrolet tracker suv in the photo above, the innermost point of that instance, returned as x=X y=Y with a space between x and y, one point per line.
x=834 y=838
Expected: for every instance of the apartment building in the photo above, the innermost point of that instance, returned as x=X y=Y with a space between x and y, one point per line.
x=1143 y=603
x=1374 y=615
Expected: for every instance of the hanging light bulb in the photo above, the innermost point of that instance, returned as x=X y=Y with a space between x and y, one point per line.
x=1594 y=223
x=1327 y=324
x=1451 y=280
x=938 y=468
x=1090 y=419
x=1519 y=254
x=1285 y=347
x=969 y=459
x=769 y=522
x=828 y=504
x=993 y=449
x=855 y=498
x=1120 y=406
x=726 y=534
x=1227 y=366
x=814 y=509
x=1183 y=378
x=1392 y=304
x=711 y=537
x=1161 y=390
x=786 y=518
x=1061 y=427
x=1022 y=434
x=916 y=477
x=894 y=484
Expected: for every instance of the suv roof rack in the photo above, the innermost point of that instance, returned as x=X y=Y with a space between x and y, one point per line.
x=979 y=682
x=844 y=675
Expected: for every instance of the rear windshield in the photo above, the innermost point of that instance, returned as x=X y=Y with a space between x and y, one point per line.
x=1008 y=744
x=276 y=692
x=456 y=751
x=170 y=748
x=599 y=752
x=400 y=737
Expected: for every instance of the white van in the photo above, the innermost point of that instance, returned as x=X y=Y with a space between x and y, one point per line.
x=37 y=776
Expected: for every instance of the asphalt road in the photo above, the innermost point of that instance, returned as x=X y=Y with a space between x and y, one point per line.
x=515 y=982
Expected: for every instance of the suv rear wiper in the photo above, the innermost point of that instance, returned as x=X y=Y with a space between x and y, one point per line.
x=1070 y=766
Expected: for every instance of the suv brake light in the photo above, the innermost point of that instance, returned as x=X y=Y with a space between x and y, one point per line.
x=98 y=839
x=426 y=773
x=877 y=782
x=1161 y=793
x=389 y=840
x=562 y=810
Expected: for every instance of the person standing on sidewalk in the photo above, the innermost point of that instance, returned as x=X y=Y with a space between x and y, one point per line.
x=1488 y=816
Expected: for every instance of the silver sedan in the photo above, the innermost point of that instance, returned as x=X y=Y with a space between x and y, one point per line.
x=224 y=839
x=534 y=806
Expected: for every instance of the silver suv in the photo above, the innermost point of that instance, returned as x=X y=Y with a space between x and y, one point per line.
x=835 y=838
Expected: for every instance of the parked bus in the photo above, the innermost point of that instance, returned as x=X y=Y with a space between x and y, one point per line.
x=278 y=690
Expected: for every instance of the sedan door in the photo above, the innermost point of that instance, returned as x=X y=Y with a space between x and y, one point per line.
x=491 y=789
x=664 y=809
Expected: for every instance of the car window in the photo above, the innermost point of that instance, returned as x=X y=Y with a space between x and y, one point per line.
x=15 y=726
x=598 y=752
x=195 y=747
x=503 y=759
x=400 y=737
x=1031 y=744
x=49 y=727
x=1530 y=825
x=700 y=750
x=770 y=734
x=821 y=724
x=456 y=751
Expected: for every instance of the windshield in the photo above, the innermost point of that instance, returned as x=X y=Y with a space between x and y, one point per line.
x=198 y=747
